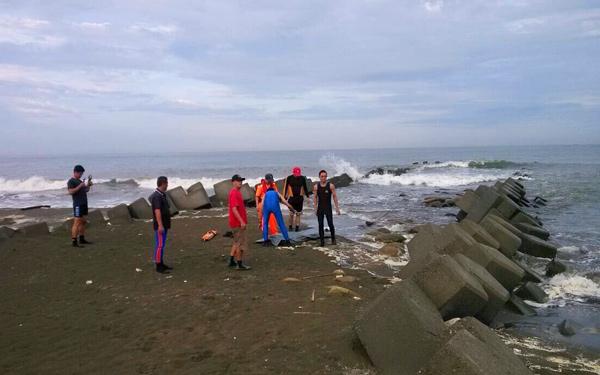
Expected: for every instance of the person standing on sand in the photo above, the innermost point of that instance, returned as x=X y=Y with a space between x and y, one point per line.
x=323 y=192
x=238 y=220
x=271 y=206
x=161 y=222
x=295 y=189
x=261 y=190
x=78 y=190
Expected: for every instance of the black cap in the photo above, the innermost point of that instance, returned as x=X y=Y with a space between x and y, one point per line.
x=269 y=177
x=78 y=168
x=237 y=177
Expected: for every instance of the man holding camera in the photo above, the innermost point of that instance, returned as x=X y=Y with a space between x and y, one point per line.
x=78 y=190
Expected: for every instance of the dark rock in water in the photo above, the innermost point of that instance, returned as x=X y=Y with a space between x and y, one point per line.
x=402 y=195
x=438 y=162
x=554 y=268
x=391 y=171
x=390 y=237
x=341 y=181
x=369 y=223
x=450 y=214
x=566 y=328
x=379 y=231
x=425 y=162
x=415 y=163
x=531 y=292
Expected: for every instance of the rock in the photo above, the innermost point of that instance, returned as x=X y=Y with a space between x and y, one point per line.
x=193 y=200
x=280 y=185
x=401 y=329
x=532 y=245
x=509 y=242
x=532 y=292
x=35 y=230
x=341 y=181
x=378 y=231
x=454 y=291
x=566 y=328
x=338 y=290
x=517 y=305
x=119 y=213
x=465 y=354
x=391 y=250
x=346 y=279
x=390 y=237
x=497 y=294
x=140 y=209
x=555 y=267
x=533 y=230
x=391 y=171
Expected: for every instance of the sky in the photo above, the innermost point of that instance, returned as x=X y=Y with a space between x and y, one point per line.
x=162 y=76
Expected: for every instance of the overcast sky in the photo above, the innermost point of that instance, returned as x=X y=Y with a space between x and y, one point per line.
x=214 y=75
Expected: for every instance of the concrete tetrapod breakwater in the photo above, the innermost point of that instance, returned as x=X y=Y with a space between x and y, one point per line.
x=463 y=273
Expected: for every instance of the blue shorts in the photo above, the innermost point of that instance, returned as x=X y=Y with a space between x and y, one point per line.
x=80 y=211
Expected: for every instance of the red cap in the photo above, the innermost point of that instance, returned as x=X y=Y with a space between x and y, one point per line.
x=297 y=171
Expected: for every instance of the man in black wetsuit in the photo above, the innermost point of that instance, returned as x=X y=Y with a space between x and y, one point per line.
x=323 y=192
x=78 y=190
x=294 y=191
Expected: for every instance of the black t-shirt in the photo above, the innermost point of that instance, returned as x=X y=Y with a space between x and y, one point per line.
x=79 y=198
x=297 y=184
x=159 y=201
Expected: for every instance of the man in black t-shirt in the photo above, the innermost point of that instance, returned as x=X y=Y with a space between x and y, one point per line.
x=78 y=190
x=161 y=221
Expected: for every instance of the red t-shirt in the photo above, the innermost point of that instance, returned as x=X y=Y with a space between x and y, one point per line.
x=236 y=200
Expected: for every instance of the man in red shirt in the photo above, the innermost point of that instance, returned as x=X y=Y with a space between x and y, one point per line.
x=238 y=220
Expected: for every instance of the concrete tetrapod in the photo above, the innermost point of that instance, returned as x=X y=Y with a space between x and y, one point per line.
x=534 y=230
x=189 y=201
x=530 y=291
x=429 y=238
x=401 y=329
x=479 y=234
x=95 y=217
x=522 y=217
x=454 y=291
x=497 y=294
x=503 y=355
x=535 y=246
x=341 y=181
x=464 y=354
x=119 y=213
x=223 y=188
x=509 y=243
x=35 y=229
x=140 y=209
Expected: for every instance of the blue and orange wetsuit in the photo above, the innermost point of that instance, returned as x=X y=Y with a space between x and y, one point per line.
x=271 y=206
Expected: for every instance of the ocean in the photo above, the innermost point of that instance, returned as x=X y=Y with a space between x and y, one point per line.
x=567 y=176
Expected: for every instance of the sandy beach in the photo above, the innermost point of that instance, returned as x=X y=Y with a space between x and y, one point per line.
x=103 y=309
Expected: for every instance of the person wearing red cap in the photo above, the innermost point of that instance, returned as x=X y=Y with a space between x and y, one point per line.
x=295 y=189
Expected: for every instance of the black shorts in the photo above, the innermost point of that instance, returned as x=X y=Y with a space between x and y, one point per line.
x=80 y=210
x=297 y=202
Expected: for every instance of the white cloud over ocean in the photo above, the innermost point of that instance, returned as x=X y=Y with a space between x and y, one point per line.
x=352 y=73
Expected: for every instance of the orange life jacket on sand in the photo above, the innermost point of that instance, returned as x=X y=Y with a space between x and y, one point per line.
x=209 y=235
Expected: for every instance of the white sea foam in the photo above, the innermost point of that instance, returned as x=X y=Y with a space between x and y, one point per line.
x=448 y=164
x=338 y=166
x=442 y=179
x=33 y=183
x=565 y=286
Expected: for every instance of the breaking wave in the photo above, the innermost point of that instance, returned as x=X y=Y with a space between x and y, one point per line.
x=493 y=164
x=574 y=287
x=445 y=179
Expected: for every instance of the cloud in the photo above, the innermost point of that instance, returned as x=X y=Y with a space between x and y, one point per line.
x=23 y=31
x=95 y=26
x=434 y=6
x=154 y=29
